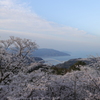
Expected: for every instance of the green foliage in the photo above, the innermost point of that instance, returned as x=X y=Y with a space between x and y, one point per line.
x=62 y=71
x=76 y=65
x=80 y=63
x=59 y=71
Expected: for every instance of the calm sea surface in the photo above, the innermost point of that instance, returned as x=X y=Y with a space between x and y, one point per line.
x=61 y=59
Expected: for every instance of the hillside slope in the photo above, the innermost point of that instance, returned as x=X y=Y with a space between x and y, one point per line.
x=48 y=53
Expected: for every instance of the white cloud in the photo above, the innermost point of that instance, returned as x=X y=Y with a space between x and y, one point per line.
x=6 y=3
x=17 y=19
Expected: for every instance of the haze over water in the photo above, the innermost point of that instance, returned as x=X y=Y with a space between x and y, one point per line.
x=60 y=59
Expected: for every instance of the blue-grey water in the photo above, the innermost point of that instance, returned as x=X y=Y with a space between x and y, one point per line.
x=61 y=59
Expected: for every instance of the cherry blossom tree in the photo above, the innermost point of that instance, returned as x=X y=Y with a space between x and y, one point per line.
x=22 y=81
x=14 y=55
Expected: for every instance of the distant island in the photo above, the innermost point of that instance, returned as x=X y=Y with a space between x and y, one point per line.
x=48 y=53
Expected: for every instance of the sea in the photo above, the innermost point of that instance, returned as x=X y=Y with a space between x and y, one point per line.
x=61 y=59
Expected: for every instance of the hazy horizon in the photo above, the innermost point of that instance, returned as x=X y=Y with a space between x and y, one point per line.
x=68 y=25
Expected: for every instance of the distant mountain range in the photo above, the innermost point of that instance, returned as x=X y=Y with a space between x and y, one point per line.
x=48 y=53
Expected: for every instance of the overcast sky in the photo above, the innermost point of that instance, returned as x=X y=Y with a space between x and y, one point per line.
x=66 y=25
